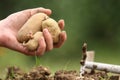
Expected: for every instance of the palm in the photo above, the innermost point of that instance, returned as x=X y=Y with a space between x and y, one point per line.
x=15 y=21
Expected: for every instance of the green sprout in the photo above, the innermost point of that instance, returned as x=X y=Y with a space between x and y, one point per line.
x=37 y=60
x=66 y=65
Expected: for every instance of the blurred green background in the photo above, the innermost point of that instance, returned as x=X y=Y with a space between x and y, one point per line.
x=96 y=22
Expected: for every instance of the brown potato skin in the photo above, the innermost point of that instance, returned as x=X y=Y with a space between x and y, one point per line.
x=53 y=28
x=32 y=44
x=31 y=31
x=31 y=26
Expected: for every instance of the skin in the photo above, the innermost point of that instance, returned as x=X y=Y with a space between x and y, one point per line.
x=32 y=44
x=10 y=26
x=53 y=28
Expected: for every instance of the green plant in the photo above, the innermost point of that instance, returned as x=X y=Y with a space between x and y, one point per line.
x=66 y=65
x=37 y=60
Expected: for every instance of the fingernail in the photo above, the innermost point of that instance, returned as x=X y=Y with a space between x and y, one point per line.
x=45 y=30
x=62 y=20
x=64 y=32
x=64 y=36
x=41 y=7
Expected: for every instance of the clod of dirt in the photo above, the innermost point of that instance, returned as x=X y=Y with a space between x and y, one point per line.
x=97 y=76
x=101 y=75
x=43 y=73
x=66 y=75
x=115 y=78
x=14 y=73
x=38 y=73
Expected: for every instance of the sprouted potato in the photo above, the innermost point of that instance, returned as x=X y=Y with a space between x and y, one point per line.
x=31 y=31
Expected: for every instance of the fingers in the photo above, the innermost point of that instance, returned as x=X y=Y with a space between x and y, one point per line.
x=48 y=39
x=37 y=10
x=40 y=51
x=61 y=24
x=46 y=44
x=63 y=37
x=42 y=47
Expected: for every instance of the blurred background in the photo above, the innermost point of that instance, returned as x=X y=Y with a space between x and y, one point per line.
x=96 y=22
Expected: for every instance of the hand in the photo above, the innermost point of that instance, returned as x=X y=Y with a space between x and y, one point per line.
x=10 y=26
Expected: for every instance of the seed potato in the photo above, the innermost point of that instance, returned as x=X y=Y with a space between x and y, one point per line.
x=31 y=27
x=31 y=31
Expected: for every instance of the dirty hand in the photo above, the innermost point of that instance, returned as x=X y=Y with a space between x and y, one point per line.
x=10 y=26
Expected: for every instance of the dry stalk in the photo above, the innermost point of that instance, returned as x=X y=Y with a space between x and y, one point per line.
x=82 y=62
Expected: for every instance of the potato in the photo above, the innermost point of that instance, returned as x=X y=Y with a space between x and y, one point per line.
x=31 y=26
x=31 y=31
x=32 y=44
x=53 y=28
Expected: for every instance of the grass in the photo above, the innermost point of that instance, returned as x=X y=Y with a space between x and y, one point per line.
x=66 y=65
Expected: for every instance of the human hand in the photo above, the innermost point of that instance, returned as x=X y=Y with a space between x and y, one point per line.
x=10 y=26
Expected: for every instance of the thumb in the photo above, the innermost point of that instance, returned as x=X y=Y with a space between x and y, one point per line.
x=37 y=10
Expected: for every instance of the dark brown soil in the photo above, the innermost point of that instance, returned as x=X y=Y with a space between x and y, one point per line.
x=37 y=73
x=43 y=73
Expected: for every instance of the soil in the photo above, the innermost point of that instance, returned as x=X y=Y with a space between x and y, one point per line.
x=43 y=73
